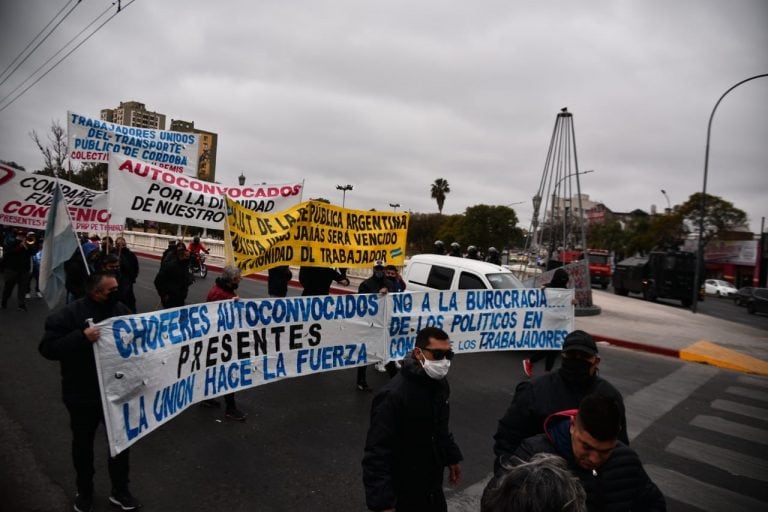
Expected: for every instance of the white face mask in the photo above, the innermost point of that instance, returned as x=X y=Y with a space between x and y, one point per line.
x=436 y=369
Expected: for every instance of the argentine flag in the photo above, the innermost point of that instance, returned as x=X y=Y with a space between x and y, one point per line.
x=59 y=244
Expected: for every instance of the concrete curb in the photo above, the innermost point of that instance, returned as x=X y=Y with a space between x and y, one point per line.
x=700 y=352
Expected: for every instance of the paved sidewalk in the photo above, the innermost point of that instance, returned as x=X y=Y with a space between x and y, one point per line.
x=663 y=329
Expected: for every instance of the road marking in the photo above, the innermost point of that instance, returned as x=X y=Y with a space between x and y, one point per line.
x=737 y=408
x=728 y=460
x=753 y=381
x=699 y=494
x=731 y=428
x=748 y=393
x=643 y=408
x=652 y=402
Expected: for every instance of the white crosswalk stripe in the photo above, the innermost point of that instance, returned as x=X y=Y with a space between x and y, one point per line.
x=730 y=428
x=707 y=497
x=748 y=393
x=745 y=410
x=735 y=463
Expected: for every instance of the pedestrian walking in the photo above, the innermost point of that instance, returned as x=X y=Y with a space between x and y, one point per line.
x=69 y=337
x=129 y=268
x=317 y=280
x=409 y=442
x=225 y=288
x=277 y=281
x=537 y=398
x=559 y=280
x=377 y=283
x=610 y=472
x=173 y=279
x=17 y=267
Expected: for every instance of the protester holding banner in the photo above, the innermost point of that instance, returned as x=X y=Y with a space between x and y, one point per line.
x=391 y=273
x=17 y=262
x=225 y=288
x=279 y=277
x=173 y=279
x=317 y=280
x=129 y=268
x=409 y=442
x=69 y=336
x=377 y=283
x=559 y=280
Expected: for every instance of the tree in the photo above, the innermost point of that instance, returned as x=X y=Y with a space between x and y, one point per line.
x=489 y=226
x=719 y=216
x=439 y=189
x=55 y=151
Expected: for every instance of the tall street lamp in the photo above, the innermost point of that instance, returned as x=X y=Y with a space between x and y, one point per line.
x=394 y=206
x=241 y=179
x=702 y=201
x=343 y=189
x=669 y=205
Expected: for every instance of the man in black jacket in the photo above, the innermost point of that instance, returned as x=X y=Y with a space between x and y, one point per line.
x=537 y=398
x=69 y=338
x=17 y=261
x=611 y=473
x=317 y=280
x=409 y=442
x=173 y=279
x=377 y=283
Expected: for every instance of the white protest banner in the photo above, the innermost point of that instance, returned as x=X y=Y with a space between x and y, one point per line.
x=482 y=320
x=93 y=140
x=151 y=366
x=152 y=193
x=26 y=197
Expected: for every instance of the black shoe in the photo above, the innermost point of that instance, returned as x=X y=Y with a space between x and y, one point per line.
x=82 y=503
x=364 y=387
x=236 y=414
x=124 y=499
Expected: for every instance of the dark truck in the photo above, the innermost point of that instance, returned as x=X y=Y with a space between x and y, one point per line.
x=667 y=275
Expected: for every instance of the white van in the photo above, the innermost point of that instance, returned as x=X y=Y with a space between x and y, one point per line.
x=430 y=272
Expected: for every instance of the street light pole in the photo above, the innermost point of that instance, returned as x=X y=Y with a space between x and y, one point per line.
x=702 y=200
x=669 y=205
x=394 y=206
x=343 y=189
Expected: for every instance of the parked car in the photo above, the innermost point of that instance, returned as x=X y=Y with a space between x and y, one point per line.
x=430 y=272
x=742 y=296
x=719 y=287
x=758 y=303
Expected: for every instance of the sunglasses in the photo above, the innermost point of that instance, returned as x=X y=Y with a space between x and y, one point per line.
x=439 y=355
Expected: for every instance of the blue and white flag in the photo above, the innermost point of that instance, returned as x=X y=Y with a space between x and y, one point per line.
x=59 y=244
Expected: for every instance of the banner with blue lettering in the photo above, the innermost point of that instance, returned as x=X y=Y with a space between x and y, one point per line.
x=93 y=140
x=482 y=320
x=152 y=366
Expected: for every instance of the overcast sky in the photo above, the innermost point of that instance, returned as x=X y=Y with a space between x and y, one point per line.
x=390 y=95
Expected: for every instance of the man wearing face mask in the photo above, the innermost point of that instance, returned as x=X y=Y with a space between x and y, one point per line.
x=409 y=443
x=69 y=338
x=173 y=279
x=537 y=398
x=377 y=283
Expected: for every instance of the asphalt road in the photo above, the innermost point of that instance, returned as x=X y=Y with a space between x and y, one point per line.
x=702 y=432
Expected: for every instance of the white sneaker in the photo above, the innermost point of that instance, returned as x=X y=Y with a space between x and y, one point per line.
x=28 y=296
x=380 y=367
x=39 y=295
x=398 y=364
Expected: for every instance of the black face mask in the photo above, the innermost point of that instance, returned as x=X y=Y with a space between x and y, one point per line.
x=378 y=274
x=112 y=298
x=576 y=371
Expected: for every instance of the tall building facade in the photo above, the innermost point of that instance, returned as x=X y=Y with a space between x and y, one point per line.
x=206 y=152
x=133 y=113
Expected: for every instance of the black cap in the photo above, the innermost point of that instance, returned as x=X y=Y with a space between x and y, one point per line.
x=581 y=341
x=379 y=265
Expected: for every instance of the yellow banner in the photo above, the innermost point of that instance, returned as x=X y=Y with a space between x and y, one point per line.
x=314 y=234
